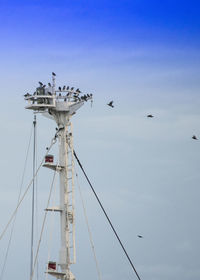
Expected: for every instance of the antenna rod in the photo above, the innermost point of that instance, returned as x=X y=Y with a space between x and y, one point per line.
x=33 y=196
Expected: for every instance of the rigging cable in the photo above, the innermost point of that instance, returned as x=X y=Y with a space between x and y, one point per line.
x=53 y=141
x=88 y=228
x=43 y=224
x=20 y=191
x=109 y=221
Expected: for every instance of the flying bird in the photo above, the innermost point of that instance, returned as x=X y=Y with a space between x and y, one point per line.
x=110 y=104
x=140 y=236
x=53 y=74
x=194 y=137
x=150 y=116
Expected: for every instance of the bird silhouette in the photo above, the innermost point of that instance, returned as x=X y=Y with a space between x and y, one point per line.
x=40 y=83
x=194 y=137
x=67 y=87
x=53 y=74
x=49 y=84
x=110 y=104
x=64 y=87
x=59 y=88
x=72 y=88
x=140 y=236
x=27 y=94
x=150 y=116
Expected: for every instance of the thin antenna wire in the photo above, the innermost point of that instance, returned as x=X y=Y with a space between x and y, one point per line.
x=14 y=220
x=88 y=228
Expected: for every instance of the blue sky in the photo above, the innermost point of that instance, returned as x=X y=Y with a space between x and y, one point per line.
x=145 y=56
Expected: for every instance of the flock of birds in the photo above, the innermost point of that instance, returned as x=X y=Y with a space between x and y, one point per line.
x=76 y=93
x=194 y=137
x=85 y=97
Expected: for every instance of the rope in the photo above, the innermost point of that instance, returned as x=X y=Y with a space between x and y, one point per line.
x=108 y=219
x=43 y=224
x=89 y=231
x=20 y=191
x=28 y=187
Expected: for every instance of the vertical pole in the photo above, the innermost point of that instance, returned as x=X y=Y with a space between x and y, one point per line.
x=63 y=158
x=33 y=196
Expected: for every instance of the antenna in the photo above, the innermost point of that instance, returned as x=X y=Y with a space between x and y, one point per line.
x=53 y=82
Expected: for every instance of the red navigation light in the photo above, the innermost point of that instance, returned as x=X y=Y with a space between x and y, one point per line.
x=52 y=265
x=49 y=159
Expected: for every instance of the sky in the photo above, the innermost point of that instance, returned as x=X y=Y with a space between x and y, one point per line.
x=144 y=55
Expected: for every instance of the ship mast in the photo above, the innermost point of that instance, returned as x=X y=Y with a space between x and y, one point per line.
x=60 y=105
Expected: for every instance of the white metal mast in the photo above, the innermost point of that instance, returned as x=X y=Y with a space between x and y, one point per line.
x=60 y=105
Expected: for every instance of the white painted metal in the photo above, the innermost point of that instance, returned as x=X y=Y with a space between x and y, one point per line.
x=61 y=108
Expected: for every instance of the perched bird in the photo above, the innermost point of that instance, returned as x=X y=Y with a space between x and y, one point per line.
x=53 y=74
x=72 y=88
x=64 y=87
x=67 y=87
x=110 y=104
x=44 y=86
x=60 y=94
x=84 y=97
x=59 y=88
x=40 y=83
x=194 y=137
x=27 y=94
x=49 y=84
x=49 y=93
x=78 y=90
x=150 y=116
x=140 y=236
